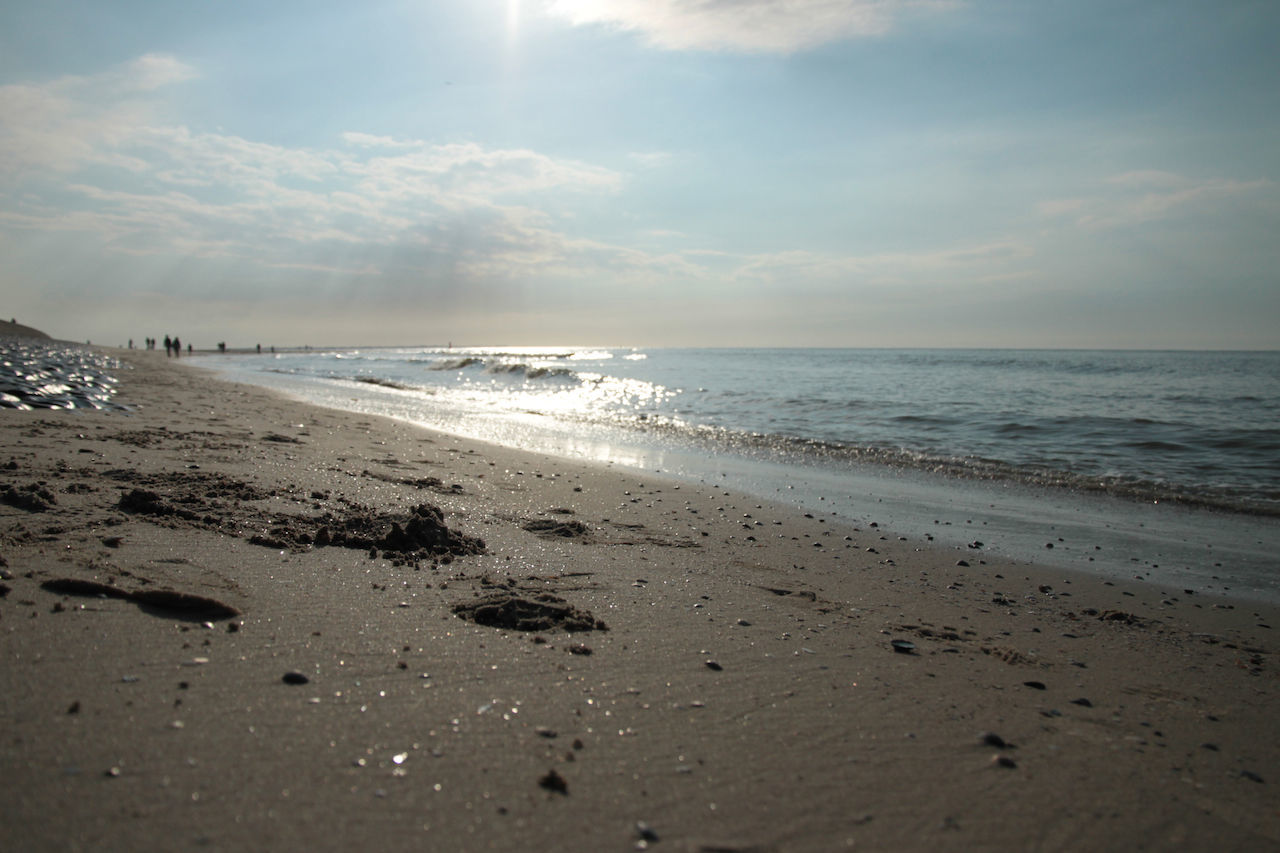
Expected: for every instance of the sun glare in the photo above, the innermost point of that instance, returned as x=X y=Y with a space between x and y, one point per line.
x=513 y=18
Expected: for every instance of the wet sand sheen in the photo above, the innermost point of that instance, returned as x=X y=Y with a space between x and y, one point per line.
x=767 y=680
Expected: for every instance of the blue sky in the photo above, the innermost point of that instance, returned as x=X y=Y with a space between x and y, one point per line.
x=644 y=172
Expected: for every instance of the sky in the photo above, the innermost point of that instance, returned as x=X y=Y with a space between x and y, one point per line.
x=974 y=173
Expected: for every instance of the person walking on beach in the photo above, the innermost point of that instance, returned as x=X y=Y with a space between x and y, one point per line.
x=168 y=345
x=177 y=347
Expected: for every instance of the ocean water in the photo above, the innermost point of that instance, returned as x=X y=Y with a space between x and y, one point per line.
x=1168 y=463
x=42 y=374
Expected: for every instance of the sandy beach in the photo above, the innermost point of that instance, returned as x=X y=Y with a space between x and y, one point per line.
x=234 y=621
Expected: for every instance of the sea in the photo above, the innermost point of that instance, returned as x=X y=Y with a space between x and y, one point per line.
x=1157 y=466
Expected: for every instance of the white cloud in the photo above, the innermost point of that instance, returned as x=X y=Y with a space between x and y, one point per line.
x=368 y=140
x=392 y=213
x=152 y=71
x=94 y=156
x=753 y=26
x=76 y=121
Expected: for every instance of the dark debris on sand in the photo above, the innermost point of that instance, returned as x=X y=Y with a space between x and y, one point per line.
x=554 y=528
x=218 y=503
x=422 y=533
x=33 y=497
x=161 y=602
x=541 y=612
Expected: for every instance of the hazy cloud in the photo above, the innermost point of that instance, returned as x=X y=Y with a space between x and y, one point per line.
x=994 y=261
x=94 y=155
x=403 y=216
x=1137 y=197
x=753 y=26
x=76 y=121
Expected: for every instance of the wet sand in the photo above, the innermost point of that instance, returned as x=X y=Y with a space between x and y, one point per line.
x=231 y=620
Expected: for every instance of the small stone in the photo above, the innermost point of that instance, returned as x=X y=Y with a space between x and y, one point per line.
x=903 y=647
x=555 y=783
x=295 y=678
x=1035 y=685
x=1003 y=761
x=713 y=665
x=1082 y=702
x=993 y=739
x=645 y=831
x=1251 y=776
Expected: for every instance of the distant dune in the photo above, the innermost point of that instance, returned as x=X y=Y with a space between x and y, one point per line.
x=17 y=330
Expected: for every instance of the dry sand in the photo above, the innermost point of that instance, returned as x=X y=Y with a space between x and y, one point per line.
x=732 y=684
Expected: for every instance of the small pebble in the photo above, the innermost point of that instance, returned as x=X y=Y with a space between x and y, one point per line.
x=555 y=783
x=295 y=678
x=713 y=665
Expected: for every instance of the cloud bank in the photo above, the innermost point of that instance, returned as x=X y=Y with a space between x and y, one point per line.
x=95 y=160
x=104 y=194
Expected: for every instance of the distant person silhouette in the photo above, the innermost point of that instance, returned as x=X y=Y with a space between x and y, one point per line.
x=168 y=345
x=177 y=347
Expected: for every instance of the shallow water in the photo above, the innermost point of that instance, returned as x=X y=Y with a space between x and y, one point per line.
x=1192 y=427
x=41 y=374
x=1157 y=465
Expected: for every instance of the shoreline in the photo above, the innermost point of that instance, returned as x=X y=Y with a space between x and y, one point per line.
x=747 y=694
x=1215 y=550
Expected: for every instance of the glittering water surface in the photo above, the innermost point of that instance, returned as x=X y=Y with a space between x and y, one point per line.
x=40 y=374
x=1194 y=427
